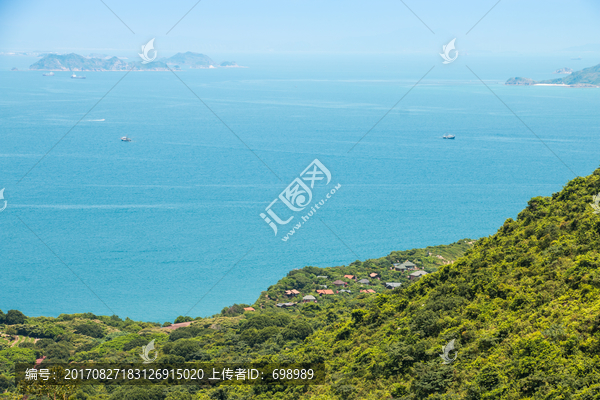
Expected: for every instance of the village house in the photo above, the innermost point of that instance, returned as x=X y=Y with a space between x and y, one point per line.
x=292 y=293
x=405 y=266
x=374 y=275
x=344 y=291
x=416 y=275
x=309 y=298
x=364 y=282
x=368 y=291
x=339 y=283
x=249 y=309
x=350 y=277
x=325 y=291
x=392 y=285
x=322 y=277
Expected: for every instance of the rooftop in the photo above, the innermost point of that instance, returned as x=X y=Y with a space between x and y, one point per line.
x=325 y=291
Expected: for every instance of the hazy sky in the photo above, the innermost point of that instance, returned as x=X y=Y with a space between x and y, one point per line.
x=293 y=25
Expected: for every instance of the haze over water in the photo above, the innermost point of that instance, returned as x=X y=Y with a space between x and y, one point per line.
x=151 y=225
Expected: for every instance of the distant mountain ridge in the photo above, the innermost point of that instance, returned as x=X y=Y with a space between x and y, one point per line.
x=76 y=62
x=587 y=77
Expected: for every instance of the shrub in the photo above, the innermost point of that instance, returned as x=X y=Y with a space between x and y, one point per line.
x=57 y=352
x=90 y=329
x=14 y=317
x=181 y=319
x=179 y=334
x=297 y=330
x=190 y=350
x=254 y=336
x=264 y=320
x=137 y=342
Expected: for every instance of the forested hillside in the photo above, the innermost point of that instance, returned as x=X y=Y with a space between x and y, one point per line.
x=523 y=306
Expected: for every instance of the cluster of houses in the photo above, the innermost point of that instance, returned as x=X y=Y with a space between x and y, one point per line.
x=341 y=285
x=409 y=266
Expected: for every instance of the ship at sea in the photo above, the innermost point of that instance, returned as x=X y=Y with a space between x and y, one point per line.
x=125 y=139
x=48 y=74
x=77 y=77
x=449 y=136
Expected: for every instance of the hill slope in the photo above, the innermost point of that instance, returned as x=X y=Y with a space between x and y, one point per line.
x=523 y=306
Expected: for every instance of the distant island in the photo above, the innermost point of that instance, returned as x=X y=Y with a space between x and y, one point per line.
x=101 y=62
x=230 y=64
x=566 y=71
x=587 y=77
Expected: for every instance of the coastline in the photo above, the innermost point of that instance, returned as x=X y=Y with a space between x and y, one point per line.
x=551 y=84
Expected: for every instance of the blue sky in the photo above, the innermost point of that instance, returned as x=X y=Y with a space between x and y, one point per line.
x=330 y=26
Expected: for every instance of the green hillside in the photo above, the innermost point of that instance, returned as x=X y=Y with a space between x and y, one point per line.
x=523 y=306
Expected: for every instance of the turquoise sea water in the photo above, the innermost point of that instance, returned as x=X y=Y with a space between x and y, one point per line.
x=152 y=225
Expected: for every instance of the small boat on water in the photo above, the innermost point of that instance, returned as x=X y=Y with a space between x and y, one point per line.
x=125 y=139
x=48 y=74
x=77 y=77
x=449 y=136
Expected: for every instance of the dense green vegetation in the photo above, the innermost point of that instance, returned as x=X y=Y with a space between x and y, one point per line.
x=523 y=306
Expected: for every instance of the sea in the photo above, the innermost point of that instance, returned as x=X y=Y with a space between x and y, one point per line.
x=170 y=223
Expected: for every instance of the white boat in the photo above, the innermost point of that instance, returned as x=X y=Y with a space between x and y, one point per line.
x=449 y=136
x=48 y=74
x=125 y=139
x=77 y=77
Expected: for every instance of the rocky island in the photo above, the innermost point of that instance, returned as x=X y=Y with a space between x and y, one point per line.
x=76 y=62
x=587 y=77
x=101 y=62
